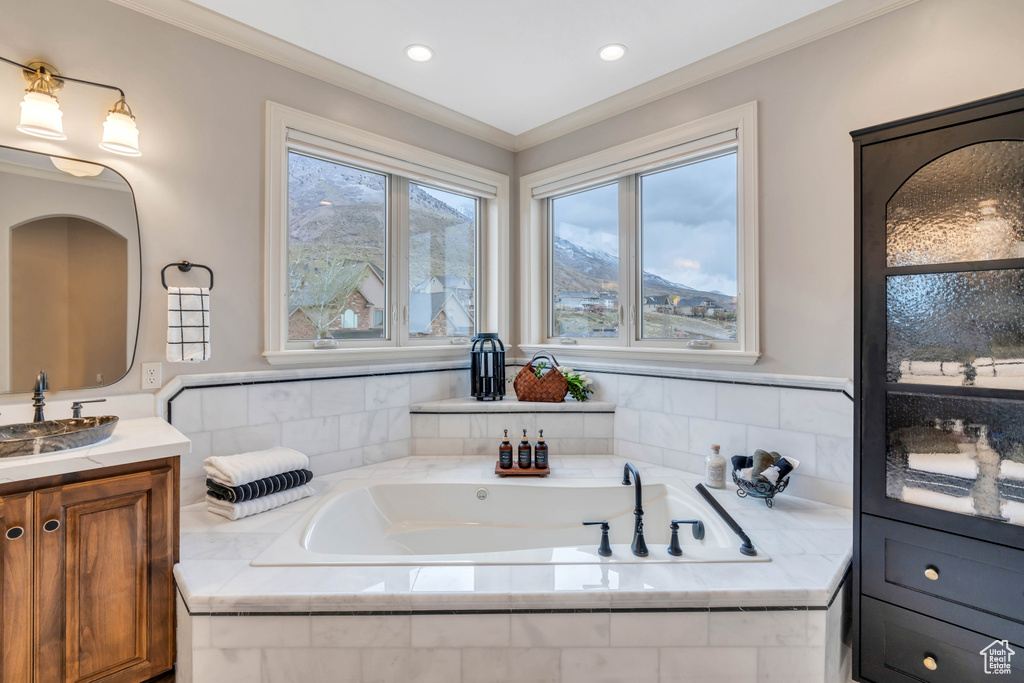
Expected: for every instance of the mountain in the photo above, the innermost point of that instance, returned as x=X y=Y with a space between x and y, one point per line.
x=338 y=212
x=579 y=269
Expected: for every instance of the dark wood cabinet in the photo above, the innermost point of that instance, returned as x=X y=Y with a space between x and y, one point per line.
x=88 y=587
x=939 y=377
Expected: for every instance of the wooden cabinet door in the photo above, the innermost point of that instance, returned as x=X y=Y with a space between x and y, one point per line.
x=105 y=599
x=16 y=588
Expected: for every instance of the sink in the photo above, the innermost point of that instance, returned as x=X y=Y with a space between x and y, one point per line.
x=33 y=438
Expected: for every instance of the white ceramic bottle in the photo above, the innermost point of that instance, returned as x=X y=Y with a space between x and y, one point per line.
x=714 y=469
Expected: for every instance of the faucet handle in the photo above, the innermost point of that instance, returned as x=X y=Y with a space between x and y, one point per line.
x=605 y=549
x=698 y=527
x=76 y=407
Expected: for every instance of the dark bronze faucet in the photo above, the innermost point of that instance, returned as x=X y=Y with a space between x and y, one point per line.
x=639 y=545
x=37 y=396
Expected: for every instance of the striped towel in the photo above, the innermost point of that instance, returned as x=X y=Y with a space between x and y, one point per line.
x=258 y=488
x=257 y=505
x=188 y=324
x=245 y=468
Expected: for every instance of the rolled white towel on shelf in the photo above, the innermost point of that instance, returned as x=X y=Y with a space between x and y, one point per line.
x=235 y=470
x=1012 y=511
x=1008 y=469
x=1010 y=367
x=934 y=368
x=985 y=367
x=941 y=501
x=952 y=464
x=257 y=505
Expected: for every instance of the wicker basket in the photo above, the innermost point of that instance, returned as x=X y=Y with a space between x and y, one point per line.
x=551 y=388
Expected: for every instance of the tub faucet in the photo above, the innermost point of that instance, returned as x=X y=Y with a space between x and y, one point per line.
x=37 y=396
x=639 y=545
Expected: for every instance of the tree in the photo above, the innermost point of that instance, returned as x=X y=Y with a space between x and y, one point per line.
x=324 y=291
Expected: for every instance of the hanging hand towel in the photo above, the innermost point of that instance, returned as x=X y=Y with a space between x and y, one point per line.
x=257 y=505
x=235 y=470
x=188 y=324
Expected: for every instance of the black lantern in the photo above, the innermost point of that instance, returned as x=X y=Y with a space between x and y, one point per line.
x=487 y=367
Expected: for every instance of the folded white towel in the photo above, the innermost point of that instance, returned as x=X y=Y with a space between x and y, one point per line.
x=1009 y=469
x=1012 y=511
x=188 y=324
x=235 y=470
x=257 y=505
x=953 y=464
x=746 y=473
x=933 y=499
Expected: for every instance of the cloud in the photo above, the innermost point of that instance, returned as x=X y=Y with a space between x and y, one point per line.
x=688 y=264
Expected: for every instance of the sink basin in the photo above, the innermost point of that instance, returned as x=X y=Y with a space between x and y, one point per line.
x=33 y=438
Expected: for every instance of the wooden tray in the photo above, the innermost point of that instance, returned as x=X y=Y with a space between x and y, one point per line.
x=516 y=471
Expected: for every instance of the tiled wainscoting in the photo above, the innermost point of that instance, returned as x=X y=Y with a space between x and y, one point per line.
x=639 y=647
x=339 y=423
x=351 y=421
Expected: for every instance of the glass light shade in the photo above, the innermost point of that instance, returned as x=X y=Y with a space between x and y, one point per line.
x=41 y=116
x=120 y=135
x=79 y=169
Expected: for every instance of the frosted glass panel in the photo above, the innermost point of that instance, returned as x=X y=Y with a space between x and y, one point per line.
x=956 y=329
x=964 y=455
x=964 y=206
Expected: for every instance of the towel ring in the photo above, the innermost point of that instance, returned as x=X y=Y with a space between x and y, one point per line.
x=184 y=267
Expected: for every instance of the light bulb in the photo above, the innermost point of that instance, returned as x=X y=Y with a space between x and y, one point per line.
x=41 y=116
x=120 y=134
x=613 y=52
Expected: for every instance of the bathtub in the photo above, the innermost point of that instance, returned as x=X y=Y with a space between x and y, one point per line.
x=502 y=522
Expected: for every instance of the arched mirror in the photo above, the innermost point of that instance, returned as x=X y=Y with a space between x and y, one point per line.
x=70 y=272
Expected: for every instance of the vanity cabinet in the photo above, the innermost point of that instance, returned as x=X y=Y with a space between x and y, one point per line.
x=87 y=586
x=939 y=376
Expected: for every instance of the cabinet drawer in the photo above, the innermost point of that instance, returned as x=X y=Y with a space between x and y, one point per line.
x=976 y=584
x=898 y=645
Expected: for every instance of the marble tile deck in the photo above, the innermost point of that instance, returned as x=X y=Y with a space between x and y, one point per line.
x=809 y=543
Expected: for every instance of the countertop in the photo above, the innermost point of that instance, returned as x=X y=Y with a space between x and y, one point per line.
x=810 y=545
x=147 y=438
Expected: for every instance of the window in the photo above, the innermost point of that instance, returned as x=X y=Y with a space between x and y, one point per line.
x=648 y=250
x=375 y=248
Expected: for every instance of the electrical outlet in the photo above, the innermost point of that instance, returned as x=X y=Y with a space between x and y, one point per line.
x=151 y=375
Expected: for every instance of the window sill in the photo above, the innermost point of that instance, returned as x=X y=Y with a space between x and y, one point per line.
x=646 y=354
x=363 y=355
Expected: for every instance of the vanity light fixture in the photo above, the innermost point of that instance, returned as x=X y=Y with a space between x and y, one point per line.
x=41 y=114
x=419 y=53
x=612 y=53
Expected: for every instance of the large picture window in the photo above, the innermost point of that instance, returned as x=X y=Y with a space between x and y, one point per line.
x=649 y=249
x=375 y=248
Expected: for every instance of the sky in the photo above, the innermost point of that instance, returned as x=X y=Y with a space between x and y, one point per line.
x=461 y=203
x=688 y=220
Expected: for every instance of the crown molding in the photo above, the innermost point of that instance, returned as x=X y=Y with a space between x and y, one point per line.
x=822 y=23
x=222 y=29
x=209 y=24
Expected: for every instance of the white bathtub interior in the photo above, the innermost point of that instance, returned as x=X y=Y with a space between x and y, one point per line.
x=380 y=522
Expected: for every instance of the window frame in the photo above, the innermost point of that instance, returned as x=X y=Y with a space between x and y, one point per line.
x=731 y=130
x=290 y=129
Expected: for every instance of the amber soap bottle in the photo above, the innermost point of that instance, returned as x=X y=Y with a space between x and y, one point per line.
x=505 y=453
x=524 y=453
x=540 y=453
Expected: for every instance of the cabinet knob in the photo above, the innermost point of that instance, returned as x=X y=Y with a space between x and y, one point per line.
x=932 y=573
x=930 y=663
x=15 y=532
x=51 y=525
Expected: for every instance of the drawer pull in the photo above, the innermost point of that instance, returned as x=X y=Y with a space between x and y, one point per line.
x=15 y=532
x=930 y=663
x=51 y=525
x=932 y=573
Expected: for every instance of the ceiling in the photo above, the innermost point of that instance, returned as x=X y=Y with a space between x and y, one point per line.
x=516 y=66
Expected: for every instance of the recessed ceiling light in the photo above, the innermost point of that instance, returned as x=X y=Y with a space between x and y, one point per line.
x=419 y=53
x=610 y=53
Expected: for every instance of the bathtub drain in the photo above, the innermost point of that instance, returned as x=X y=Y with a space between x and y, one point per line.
x=481 y=494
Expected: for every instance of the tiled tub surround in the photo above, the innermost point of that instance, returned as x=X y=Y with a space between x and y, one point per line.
x=633 y=623
x=339 y=422
x=465 y=426
x=674 y=421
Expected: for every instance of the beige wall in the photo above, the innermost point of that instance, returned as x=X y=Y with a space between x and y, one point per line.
x=930 y=55
x=199 y=184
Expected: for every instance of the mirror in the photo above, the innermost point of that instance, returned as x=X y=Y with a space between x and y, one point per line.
x=70 y=272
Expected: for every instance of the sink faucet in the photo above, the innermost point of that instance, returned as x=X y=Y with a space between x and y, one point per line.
x=37 y=396
x=639 y=545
